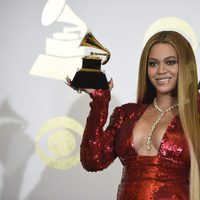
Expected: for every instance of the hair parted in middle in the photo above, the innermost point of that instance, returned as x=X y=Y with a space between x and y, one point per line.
x=186 y=92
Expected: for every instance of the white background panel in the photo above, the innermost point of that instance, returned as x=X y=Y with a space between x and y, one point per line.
x=28 y=102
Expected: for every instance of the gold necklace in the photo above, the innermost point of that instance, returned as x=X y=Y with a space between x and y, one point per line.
x=160 y=116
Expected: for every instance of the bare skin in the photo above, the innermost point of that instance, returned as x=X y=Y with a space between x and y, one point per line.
x=163 y=73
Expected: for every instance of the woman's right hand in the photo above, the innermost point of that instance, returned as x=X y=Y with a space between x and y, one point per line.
x=87 y=90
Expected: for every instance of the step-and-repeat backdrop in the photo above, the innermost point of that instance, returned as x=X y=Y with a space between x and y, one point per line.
x=41 y=119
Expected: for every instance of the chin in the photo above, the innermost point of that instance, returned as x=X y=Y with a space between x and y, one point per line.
x=165 y=90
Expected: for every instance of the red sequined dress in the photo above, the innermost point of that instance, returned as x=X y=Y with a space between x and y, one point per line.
x=161 y=177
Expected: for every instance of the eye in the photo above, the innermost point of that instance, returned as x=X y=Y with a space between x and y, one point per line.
x=152 y=63
x=171 y=62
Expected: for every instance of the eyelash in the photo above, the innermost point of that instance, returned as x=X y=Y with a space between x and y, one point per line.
x=152 y=64
x=168 y=62
x=172 y=62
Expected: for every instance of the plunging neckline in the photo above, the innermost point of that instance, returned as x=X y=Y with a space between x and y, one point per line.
x=162 y=140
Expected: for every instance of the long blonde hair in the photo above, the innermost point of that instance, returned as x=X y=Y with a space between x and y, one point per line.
x=187 y=94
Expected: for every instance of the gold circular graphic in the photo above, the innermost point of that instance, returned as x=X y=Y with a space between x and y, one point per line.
x=61 y=143
x=56 y=142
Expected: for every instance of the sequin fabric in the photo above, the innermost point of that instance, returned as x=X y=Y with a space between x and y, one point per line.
x=164 y=176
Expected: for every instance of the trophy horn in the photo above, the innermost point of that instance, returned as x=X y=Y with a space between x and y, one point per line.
x=90 y=41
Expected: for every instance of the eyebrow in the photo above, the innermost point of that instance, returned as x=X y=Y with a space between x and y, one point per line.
x=164 y=59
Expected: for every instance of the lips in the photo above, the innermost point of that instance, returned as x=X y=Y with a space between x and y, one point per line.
x=163 y=81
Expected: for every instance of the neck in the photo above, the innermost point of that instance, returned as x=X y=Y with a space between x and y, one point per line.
x=165 y=100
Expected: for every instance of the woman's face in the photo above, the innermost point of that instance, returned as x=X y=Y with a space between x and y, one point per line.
x=163 y=67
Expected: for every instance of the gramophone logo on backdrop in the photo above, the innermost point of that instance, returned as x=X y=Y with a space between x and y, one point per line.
x=56 y=138
x=62 y=54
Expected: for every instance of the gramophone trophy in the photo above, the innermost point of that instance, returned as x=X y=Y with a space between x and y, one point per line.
x=90 y=75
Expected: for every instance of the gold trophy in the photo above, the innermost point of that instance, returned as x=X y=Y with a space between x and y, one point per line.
x=90 y=75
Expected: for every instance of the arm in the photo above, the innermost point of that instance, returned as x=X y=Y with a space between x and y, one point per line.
x=97 y=147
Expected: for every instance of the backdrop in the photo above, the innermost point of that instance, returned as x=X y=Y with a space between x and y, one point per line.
x=41 y=119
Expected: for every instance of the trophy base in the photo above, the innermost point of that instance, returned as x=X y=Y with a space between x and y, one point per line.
x=95 y=80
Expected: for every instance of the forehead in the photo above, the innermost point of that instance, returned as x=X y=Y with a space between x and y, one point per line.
x=162 y=50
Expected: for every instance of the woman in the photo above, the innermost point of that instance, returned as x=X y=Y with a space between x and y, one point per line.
x=158 y=138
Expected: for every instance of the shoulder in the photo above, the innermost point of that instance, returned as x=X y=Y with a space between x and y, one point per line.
x=132 y=106
x=129 y=108
x=123 y=112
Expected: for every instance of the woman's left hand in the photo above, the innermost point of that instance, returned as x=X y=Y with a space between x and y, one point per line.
x=87 y=90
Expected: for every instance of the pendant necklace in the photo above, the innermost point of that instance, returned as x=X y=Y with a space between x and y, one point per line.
x=158 y=119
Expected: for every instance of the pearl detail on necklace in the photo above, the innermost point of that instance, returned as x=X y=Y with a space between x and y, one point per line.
x=158 y=119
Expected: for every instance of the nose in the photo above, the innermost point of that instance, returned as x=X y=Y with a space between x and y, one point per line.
x=161 y=68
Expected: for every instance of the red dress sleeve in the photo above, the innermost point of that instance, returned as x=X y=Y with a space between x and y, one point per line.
x=97 y=147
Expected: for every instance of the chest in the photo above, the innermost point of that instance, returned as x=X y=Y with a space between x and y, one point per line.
x=145 y=127
x=171 y=144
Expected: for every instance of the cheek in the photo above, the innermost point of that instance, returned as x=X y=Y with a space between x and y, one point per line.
x=175 y=72
x=150 y=72
x=176 y=68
